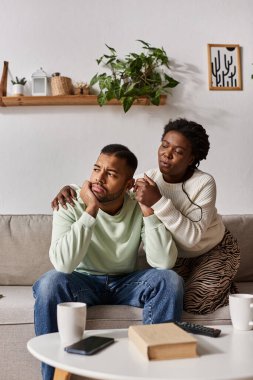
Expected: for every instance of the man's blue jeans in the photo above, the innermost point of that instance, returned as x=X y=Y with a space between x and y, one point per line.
x=158 y=292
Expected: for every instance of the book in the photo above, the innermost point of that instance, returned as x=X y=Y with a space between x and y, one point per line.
x=163 y=341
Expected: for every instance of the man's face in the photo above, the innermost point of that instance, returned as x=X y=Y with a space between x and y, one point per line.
x=110 y=178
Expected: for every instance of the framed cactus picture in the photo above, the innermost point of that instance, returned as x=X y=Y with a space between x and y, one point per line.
x=224 y=67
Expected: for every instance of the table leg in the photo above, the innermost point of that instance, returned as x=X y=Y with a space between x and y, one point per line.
x=59 y=374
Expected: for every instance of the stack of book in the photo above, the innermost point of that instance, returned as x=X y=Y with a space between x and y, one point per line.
x=163 y=341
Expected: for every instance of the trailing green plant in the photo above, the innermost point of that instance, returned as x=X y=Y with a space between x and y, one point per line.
x=134 y=76
x=19 y=81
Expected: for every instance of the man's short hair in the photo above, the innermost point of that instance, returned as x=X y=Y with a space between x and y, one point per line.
x=122 y=152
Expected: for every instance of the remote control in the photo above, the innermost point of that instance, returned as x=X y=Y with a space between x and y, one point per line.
x=199 y=329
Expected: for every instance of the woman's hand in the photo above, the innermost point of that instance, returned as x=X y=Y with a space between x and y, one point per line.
x=66 y=195
x=146 y=191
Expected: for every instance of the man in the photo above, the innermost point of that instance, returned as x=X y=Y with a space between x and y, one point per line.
x=94 y=250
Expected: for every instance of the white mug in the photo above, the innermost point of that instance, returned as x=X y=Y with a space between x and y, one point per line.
x=241 y=311
x=71 y=320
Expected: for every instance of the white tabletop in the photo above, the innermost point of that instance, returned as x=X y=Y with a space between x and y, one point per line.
x=228 y=357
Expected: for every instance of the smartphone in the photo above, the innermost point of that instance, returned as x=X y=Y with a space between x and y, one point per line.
x=90 y=345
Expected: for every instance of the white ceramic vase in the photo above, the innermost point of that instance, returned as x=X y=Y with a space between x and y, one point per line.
x=18 y=89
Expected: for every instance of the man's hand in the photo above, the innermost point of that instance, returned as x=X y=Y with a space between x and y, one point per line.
x=146 y=191
x=66 y=195
x=89 y=199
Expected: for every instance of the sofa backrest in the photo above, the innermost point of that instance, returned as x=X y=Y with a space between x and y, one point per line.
x=241 y=226
x=25 y=241
x=24 y=246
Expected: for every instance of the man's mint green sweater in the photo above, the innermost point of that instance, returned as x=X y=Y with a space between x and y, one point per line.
x=108 y=244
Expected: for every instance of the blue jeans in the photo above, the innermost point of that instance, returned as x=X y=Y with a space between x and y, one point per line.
x=158 y=292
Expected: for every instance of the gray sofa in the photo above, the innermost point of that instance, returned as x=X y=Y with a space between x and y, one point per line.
x=24 y=244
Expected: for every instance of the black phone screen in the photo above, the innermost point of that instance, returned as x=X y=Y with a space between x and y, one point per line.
x=90 y=345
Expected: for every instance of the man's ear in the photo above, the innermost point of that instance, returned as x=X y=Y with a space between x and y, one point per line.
x=130 y=184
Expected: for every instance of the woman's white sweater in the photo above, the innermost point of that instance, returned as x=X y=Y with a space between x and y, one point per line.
x=196 y=228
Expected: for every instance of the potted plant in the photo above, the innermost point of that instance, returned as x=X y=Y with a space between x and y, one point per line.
x=81 y=88
x=18 y=86
x=137 y=75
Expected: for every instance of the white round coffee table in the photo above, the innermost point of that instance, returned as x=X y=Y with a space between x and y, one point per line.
x=229 y=357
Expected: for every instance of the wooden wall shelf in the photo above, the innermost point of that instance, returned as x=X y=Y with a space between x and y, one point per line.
x=65 y=100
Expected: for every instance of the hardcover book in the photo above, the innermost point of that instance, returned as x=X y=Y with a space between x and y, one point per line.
x=163 y=341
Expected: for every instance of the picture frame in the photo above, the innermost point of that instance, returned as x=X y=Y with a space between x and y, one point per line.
x=224 y=67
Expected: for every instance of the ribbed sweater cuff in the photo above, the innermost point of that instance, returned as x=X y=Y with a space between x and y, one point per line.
x=159 y=205
x=151 y=221
x=87 y=220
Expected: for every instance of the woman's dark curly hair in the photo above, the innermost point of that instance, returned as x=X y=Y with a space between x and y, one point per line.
x=195 y=133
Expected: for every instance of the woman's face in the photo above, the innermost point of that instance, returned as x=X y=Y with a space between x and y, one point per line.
x=174 y=156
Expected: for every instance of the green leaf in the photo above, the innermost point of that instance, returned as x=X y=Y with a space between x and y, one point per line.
x=94 y=80
x=118 y=92
x=110 y=95
x=134 y=55
x=102 y=84
x=166 y=86
x=130 y=88
x=144 y=43
x=101 y=99
x=118 y=65
x=172 y=82
x=110 y=61
x=127 y=103
x=155 y=100
x=136 y=65
x=111 y=49
x=99 y=60
x=101 y=79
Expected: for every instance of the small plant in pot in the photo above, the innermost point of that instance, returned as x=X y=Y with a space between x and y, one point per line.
x=137 y=75
x=19 y=86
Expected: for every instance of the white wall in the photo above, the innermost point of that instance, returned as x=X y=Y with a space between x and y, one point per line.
x=43 y=148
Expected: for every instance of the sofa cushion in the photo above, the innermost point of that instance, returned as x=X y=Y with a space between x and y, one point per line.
x=241 y=226
x=25 y=241
x=16 y=307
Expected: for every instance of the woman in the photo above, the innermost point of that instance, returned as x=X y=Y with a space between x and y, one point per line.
x=183 y=198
